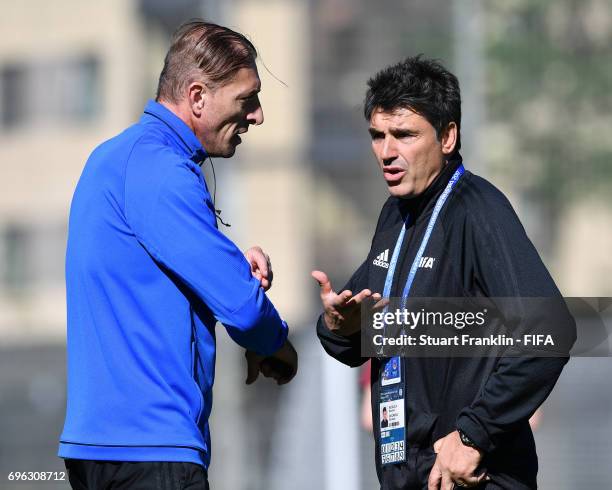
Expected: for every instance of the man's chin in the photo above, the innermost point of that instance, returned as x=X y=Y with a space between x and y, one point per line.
x=401 y=191
x=227 y=152
x=231 y=147
x=222 y=151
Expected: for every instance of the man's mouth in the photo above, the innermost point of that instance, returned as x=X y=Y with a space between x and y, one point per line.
x=238 y=132
x=393 y=175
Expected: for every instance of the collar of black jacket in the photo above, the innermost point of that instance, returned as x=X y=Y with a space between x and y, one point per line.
x=416 y=205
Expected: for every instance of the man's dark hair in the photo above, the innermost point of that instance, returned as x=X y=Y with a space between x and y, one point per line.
x=203 y=50
x=421 y=85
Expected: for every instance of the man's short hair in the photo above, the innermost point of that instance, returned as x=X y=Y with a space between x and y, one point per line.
x=422 y=85
x=203 y=51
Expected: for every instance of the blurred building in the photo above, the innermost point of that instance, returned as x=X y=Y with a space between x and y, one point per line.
x=73 y=74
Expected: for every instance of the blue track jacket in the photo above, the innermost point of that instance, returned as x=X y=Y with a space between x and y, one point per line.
x=147 y=276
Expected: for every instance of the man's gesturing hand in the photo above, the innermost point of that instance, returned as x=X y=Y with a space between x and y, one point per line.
x=261 y=267
x=455 y=464
x=281 y=366
x=343 y=311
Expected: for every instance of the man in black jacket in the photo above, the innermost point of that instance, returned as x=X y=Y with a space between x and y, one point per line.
x=443 y=232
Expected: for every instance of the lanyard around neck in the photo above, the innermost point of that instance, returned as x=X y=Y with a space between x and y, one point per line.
x=415 y=263
x=398 y=245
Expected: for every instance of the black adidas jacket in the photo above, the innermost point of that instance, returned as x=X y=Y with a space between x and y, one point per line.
x=480 y=249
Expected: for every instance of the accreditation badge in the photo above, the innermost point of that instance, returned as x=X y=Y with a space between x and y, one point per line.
x=391 y=417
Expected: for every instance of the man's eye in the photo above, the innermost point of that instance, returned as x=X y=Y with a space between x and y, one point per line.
x=404 y=135
x=376 y=136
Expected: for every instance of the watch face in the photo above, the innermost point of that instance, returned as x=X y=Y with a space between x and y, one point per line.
x=465 y=439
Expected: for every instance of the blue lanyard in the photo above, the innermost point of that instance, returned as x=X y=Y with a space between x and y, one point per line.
x=393 y=391
x=398 y=245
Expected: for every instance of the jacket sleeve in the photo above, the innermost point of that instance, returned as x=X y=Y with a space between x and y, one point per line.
x=170 y=211
x=347 y=350
x=506 y=264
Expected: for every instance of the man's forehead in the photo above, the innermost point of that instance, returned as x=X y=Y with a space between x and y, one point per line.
x=401 y=116
x=247 y=80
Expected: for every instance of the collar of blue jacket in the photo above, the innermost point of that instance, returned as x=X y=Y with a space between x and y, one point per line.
x=185 y=137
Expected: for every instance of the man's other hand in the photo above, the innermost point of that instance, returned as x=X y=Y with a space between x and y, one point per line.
x=342 y=312
x=281 y=366
x=261 y=267
x=455 y=465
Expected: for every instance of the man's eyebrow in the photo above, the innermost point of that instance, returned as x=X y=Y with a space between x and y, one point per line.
x=250 y=93
x=399 y=130
x=394 y=131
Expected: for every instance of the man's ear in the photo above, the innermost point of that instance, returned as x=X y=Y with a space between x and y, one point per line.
x=449 y=138
x=197 y=94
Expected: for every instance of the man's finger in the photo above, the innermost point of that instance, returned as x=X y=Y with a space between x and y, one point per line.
x=274 y=368
x=358 y=298
x=258 y=261
x=473 y=481
x=252 y=375
x=435 y=477
x=380 y=304
x=268 y=261
x=438 y=445
x=252 y=368
x=266 y=370
x=344 y=297
x=270 y=273
x=323 y=281
x=447 y=483
x=283 y=380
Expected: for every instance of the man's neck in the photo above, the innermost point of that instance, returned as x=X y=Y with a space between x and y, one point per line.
x=417 y=204
x=179 y=110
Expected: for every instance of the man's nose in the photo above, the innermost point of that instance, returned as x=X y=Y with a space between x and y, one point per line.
x=389 y=151
x=257 y=116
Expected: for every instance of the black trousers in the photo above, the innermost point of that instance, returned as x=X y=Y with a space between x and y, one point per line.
x=119 y=475
x=414 y=473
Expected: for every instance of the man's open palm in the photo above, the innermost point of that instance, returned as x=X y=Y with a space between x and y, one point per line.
x=343 y=310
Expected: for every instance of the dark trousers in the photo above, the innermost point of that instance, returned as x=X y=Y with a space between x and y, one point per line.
x=414 y=473
x=119 y=475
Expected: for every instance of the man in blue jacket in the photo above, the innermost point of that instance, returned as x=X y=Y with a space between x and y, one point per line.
x=148 y=274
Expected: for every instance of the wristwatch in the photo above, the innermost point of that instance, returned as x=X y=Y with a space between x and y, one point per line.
x=467 y=441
